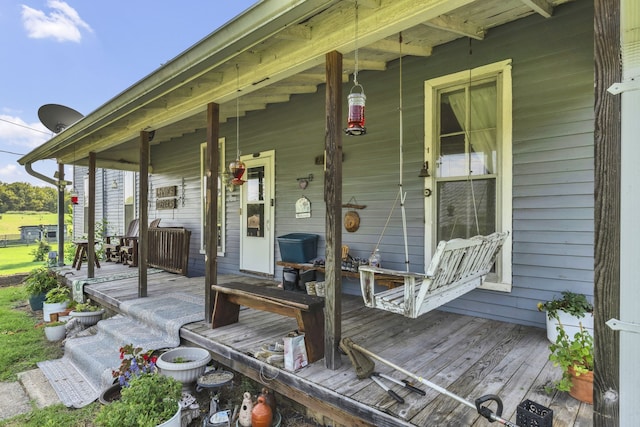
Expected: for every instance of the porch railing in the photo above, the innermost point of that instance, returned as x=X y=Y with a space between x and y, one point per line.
x=169 y=249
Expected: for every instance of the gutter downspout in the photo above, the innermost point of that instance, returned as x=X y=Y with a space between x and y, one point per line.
x=59 y=184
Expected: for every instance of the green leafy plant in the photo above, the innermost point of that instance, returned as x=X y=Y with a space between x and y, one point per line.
x=571 y=354
x=148 y=400
x=572 y=303
x=41 y=252
x=58 y=294
x=86 y=307
x=40 y=280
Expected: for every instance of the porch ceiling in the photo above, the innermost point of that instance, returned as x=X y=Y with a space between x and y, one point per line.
x=264 y=56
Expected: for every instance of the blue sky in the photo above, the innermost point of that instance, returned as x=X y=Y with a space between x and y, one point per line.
x=82 y=53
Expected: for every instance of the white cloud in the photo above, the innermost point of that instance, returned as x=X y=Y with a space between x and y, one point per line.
x=18 y=136
x=8 y=171
x=63 y=22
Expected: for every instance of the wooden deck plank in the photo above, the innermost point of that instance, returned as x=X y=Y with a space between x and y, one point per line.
x=466 y=355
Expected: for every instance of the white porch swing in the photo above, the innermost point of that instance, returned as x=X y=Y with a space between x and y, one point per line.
x=458 y=266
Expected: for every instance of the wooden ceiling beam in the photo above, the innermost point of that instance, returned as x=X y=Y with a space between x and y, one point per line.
x=541 y=7
x=457 y=26
x=278 y=89
x=364 y=64
x=389 y=46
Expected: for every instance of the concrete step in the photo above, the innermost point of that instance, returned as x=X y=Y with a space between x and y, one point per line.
x=31 y=390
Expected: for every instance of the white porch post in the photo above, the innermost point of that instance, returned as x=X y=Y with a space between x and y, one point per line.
x=629 y=208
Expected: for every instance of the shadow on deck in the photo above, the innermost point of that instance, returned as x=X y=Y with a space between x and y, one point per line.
x=469 y=356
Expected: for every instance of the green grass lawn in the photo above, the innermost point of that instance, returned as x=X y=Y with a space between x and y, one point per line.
x=10 y=223
x=23 y=345
x=19 y=259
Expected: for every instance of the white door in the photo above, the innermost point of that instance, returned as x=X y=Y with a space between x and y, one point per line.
x=256 y=219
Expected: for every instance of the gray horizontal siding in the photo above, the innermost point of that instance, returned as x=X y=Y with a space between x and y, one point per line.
x=552 y=163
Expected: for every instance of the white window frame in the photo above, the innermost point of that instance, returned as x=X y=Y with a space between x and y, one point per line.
x=203 y=195
x=501 y=70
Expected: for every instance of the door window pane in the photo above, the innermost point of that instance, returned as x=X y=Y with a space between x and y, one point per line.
x=255 y=184
x=255 y=220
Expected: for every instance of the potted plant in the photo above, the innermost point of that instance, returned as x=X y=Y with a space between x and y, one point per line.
x=39 y=281
x=574 y=355
x=185 y=364
x=87 y=313
x=148 y=400
x=55 y=331
x=135 y=361
x=56 y=301
x=573 y=311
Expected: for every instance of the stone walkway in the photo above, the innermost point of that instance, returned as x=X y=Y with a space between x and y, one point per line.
x=16 y=397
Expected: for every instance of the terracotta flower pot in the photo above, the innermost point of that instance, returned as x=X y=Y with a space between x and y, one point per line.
x=582 y=386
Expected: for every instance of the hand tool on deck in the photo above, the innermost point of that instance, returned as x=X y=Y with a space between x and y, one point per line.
x=390 y=392
x=404 y=383
x=364 y=367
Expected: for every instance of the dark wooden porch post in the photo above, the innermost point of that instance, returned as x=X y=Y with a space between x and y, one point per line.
x=61 y=212
x=91 y=234
x=333 y=201
x=211 y=214
x=143 y=247
x=607 y=149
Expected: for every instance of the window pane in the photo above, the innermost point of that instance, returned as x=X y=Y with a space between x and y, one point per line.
x=452 y=115
x=483 y=152
x=451 y=161
x=255 y=184
x=456 y=214
x=255 y=220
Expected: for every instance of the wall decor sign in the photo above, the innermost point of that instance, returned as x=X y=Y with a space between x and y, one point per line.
x=166 y=197
x=170 y=191
x=303 y=208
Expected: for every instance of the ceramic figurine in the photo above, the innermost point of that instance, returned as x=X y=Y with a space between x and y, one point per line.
x=244 y=416
x=261 y=416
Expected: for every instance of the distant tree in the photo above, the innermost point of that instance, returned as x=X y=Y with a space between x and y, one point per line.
x=21 y=196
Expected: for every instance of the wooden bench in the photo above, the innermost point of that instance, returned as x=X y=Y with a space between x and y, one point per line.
x=306 y=309
x=388 y=280
x=169 y=249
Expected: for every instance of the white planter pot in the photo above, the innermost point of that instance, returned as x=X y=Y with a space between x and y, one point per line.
x=174 y=421
x=55 y=333
x=87 y=318
x=570 y=323
x=50 y=308
x=187 y=372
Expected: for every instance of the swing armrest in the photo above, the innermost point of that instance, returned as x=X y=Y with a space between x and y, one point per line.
x=390 y=272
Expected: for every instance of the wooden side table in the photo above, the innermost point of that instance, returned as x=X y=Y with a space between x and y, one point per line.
x=81 y=253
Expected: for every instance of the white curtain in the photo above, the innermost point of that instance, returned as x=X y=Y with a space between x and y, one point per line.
x=482 y=122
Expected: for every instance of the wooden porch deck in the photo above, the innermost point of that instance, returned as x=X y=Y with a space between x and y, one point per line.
x=468 y=356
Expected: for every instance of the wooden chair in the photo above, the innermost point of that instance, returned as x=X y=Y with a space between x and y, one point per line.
x=129 y=246
x=457 y=267
x=114 y=243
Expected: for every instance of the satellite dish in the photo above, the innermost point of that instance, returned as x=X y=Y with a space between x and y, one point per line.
x=58 y=117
